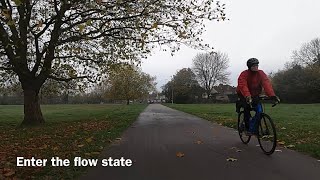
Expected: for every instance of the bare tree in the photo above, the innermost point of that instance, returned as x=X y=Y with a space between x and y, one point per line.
x=79 y=39
x=309 y=53
x=210 y=69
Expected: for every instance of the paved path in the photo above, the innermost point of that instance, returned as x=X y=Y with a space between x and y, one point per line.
x=160 y=132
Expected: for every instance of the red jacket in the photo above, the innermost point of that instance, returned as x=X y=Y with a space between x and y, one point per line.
x=251 y=83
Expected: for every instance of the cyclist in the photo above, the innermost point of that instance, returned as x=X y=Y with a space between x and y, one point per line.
x=250 y=84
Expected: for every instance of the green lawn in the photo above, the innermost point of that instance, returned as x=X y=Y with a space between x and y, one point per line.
x=297 y=124
x=69 y=131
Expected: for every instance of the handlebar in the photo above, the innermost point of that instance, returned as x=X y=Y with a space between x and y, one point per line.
x=273 y=105
x=266 y=98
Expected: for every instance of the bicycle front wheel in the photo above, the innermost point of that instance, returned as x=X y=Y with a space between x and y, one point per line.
x=241 y=128
x=267 y=136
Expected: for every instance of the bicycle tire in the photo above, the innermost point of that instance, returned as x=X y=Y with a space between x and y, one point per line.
x=244 y=138
x=265 y=135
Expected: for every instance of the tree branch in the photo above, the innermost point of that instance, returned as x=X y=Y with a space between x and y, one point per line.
x=6 y=68
x=66 y=79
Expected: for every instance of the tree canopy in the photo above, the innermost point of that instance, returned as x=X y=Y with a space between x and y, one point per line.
x=183 y=87
x=127 y=82
x=299 y=82
x=71 y=39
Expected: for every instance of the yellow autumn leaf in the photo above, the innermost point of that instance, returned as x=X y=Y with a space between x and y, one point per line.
x=89 y=22
x=89 y=139
x=10 y=23
x=81 y=27
x=17 y=2
x=155 y=25
x=179 y=154
x=6 y=13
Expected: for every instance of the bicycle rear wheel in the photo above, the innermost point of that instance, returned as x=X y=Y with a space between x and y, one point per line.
x=267 y=135
x=241 y=128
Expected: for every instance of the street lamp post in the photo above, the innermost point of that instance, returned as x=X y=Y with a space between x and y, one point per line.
x=172 y=94
x=172 y=90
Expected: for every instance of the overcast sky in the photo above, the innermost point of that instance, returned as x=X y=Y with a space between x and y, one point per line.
x=268 y=30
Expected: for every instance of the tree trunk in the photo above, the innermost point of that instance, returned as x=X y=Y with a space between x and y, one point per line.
x=128 y=101
x=32 y=110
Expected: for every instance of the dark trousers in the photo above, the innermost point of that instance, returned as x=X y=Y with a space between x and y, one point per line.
x=246 y=108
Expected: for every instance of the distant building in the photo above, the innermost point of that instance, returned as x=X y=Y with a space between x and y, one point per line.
x=222 y=93
x=226 y=93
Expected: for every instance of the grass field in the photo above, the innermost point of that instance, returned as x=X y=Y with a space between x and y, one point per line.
x=298 y=125
x=69 y=131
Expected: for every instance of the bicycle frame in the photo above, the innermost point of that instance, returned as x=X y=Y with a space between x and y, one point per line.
x=258 y=109
x=263 y=125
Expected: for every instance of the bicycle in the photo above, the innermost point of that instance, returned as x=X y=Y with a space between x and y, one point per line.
x=266 y=131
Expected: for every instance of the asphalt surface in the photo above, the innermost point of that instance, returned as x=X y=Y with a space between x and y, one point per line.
x=154 y=140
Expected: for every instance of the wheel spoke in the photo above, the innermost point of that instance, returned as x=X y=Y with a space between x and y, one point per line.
x=241 y=128
x=267 y=135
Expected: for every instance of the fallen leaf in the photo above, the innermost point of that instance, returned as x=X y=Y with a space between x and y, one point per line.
x=233 y=148
x=290 y=146
x=258 y=145
x=199 y=142
x=281 y=142
x=119 y=139
x=220 y=124
x=89 y=139
x=179 y=154
x=283 y=128
x=232 y=159
x=278 y=150
x=80 y=145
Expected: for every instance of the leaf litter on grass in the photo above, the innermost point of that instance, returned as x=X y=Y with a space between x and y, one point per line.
x=61 y=140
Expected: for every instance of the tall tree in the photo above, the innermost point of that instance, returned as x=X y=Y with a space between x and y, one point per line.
x=308 y=54
x=210 y=69
x=127 y=82
x=183 y=88
x=75 y=39
x=301 y=76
